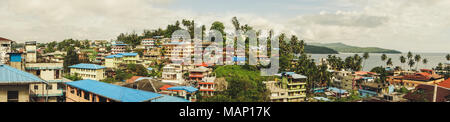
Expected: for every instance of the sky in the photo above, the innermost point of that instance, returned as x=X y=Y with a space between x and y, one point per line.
x=405 y=25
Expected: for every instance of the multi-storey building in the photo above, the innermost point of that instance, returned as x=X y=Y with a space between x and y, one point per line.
x=15 y=84
x=291 y=88
x=5 y=48
x=178 y=49
x=30 y=48
x=96 y=91
x=118 y=47
x=88 y=71
x=172 y=73
x=148 y=43
x=113 y=61
x=198 y=73
x=207 y=86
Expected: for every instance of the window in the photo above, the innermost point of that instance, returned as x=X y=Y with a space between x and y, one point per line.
x=101 y=99
x=13 y=96
x=78 y=92
x=36 y=87
x=72 y=91
x=86 y=95
x=49 y=87
x=94 y=98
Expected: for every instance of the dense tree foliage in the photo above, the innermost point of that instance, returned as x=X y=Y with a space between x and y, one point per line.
x=245 y=85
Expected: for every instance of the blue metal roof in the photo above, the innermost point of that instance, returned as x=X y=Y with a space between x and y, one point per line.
x=115 y=92
x=189 y=89
x=337 y=90
x=12 y=75
x=119 y=44
x=128 y=54
x=239 y=59
x=114 y=56
x=322 y=98
x=167 y=98
x=87 y=66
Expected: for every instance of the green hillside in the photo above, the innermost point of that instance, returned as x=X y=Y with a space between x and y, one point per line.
x=319 y=50
x=343 y=48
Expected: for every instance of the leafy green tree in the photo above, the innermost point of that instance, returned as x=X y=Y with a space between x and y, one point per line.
x=71 y=58
x=74 y=77
x=219 y=27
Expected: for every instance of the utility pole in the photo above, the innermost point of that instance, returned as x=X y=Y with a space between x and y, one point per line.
x=435 y=92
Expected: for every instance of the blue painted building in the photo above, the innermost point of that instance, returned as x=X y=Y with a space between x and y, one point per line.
x=15 y=84
x=96 y=91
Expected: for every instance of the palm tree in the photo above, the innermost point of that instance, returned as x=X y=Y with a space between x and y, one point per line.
x=411 y=63
x=448 y=57
x=410 y=55
x=365 y=56
x=425 y=61
x=417 y=59
x=402 y=60
x=389 y=62
x=383 y=57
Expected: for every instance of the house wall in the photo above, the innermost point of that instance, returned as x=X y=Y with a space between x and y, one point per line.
x=71 y=96
x=89 y=73
x=22 y=89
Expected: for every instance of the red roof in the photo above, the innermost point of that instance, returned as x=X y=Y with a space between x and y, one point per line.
x=205 y=83
x=4 y=39
x=206 y=90
x=196 y=76
x=132 y=79
x=445 y=83
x=165 y=87
x=424 y=74
x=203 y=64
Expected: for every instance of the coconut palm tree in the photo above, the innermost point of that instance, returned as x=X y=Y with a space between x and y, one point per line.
x=411 y=63
x=425 y=61
x=448 y=57
x=410 y=55
x=389 y=62
x=402 y=60
x=383 y=57
x=417 y=58
x=365 y=56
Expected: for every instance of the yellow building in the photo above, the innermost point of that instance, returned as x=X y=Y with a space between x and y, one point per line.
x=15 y=84
x=113 y=61
x=291 y=88
x=88 y=71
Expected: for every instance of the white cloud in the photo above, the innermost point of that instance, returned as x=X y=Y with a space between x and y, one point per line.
x=418 y=25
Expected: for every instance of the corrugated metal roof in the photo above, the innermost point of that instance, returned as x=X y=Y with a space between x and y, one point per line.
x=114 y=56
x=119 y=44
x=189 y=89
x=167 y=98
x=115 y=92
x=12 y=75
x=128 y=54
x=87 y=66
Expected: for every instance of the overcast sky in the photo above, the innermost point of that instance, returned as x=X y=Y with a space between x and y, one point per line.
x=405 y=25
